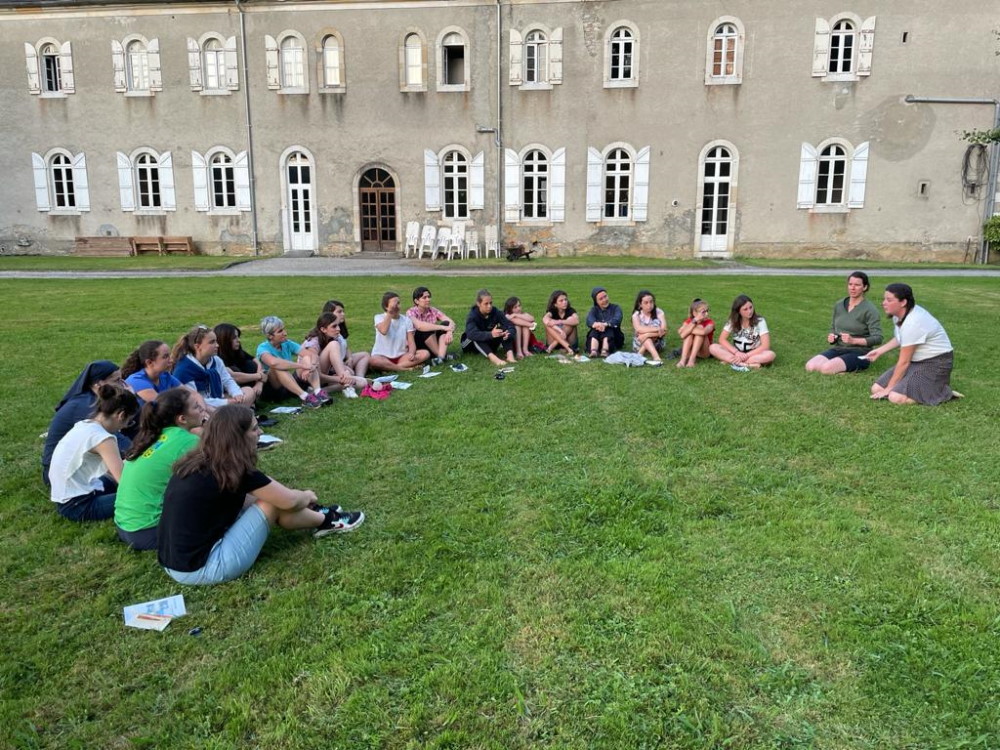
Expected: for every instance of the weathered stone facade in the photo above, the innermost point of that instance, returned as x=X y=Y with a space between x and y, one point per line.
x=590 y=126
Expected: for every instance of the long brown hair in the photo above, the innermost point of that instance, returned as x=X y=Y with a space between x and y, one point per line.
x=156 y=416
x=140 y=356
x=735 y=319
x=322 y=322
x=186 y=344
x=224 y=450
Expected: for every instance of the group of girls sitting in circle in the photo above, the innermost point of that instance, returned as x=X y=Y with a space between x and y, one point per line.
x=184 y=480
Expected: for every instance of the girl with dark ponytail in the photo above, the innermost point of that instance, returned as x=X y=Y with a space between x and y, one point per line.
x=168 y=429
x=87 y=453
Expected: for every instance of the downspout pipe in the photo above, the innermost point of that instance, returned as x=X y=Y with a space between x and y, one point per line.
x=249 y=129
x=991 y=179
x=499 y=133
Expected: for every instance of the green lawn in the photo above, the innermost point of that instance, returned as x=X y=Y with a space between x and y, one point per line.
x=138 y=263
x=579 y=556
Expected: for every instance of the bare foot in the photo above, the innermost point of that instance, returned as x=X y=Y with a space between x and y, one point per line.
x=681 y=364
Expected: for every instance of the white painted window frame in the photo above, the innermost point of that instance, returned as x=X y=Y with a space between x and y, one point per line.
x=275 y=63
x=198 y=63
x=128 y=182
x=855 y=176
x=552 y=61
x=43 y=170
x=638 y=201
x=621 y=82
x=405 y=83
x=442 y=73
x=711 y=79
x=323 y=53
x=861 y=66
x=434 y=180
x=734 y=172
x=201 y=174
x=34 y=64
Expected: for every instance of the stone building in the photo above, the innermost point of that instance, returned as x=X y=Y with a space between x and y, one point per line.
x=666 y=128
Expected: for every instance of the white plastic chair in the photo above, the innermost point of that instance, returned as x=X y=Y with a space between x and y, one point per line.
x=472 y=243
x=443 y=240
x=412 y=238
x=427 y=241
x=492 y=242
x=456 y=244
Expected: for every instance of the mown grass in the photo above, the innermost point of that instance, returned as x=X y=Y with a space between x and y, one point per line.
x=848 y=264
x=138 y=263
x=579 y=556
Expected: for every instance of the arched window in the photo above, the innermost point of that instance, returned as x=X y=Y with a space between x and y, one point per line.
x=137 y=66
x=413 y=62
x=331 y=62
x=621 y=51
x=536 y=58
x=222 y=176
x=51 y=80
x=831 y=176
x=453 y=60
x=617 y=184
x=455 y=171
x=842 y=38
x=724 y=50
x=213 y=58
x=292 y=63
x=147 y=181
x=61 y=182
x=535 y=185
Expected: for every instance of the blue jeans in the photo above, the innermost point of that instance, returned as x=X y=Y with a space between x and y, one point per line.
x=95 y=506
x=234 y=554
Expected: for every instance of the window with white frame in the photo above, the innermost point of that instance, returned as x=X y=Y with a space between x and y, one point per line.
x=331 y=58
x=724 y=63
x=842 y=47
x=413 y=63
x=136 y=66
x=50 y=68
x=534 y=185
x=617 y=184
x=832 y=176
x=212 y=64
x=285 y=63
x=621 y=56
x=536 y=57
x=221 y=181
x=61 y=185
x=717 y=182
x=454 y=182
x=146 y=181
x=453 y=60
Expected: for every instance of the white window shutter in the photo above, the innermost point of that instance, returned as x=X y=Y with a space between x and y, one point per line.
x=740 y=50
x=808 y=165
x=241 y=175
x=41 y=176
x=125 y=190
x=153 y=55
x=81 y=185
x=67 y=79
x=199 y=176
x=432 y=181
x=595 y=167
x=477 y=175
x=516 y=57
x=232 y=65
x=118 y=64
x=511 y=186
x=859 y=174
x=557 y=186
x=271 y=62
x=821 y=48
x=168 y=198
x=867 y=45
x=556 y=56
x=194 y=64
x=640 y=195
x=31 y=61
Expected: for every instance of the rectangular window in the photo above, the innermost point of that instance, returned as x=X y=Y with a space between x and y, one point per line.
x=148 y=184
x=62 y=183
x=50 y=60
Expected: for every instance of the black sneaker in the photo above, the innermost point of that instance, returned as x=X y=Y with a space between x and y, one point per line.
x=339 y=523
x=266 y=422
x=325 y=508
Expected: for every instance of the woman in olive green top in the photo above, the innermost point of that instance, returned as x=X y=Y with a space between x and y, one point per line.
x=855 y=329
x=168 y=428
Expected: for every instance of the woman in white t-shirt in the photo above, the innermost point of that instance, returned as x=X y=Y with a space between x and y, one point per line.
x=395 y=348
x=745 y=341
x=922 y=374
x=87 y=454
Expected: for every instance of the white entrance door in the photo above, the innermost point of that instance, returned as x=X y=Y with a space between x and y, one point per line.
x=715 y=206
x=300 y=233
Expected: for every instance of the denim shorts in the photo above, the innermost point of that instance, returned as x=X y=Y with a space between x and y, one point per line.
x=234 y=554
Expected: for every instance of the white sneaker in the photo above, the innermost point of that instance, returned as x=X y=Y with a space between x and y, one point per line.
x=349 y=392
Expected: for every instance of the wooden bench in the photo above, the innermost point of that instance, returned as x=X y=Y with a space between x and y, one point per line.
x=163 y=245
x=106 y=246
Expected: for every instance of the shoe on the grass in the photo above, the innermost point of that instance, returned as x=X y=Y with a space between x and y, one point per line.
x=437 y=361
x=339 y=522
x=349 y=392
x=266 y=422
x=324 y=397
x=740 y=368
x=311 y=401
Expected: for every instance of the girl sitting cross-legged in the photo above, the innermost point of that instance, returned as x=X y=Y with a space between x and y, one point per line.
x=750 y=348
x=488 y=331
x=649 y=326
x=331 y=348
